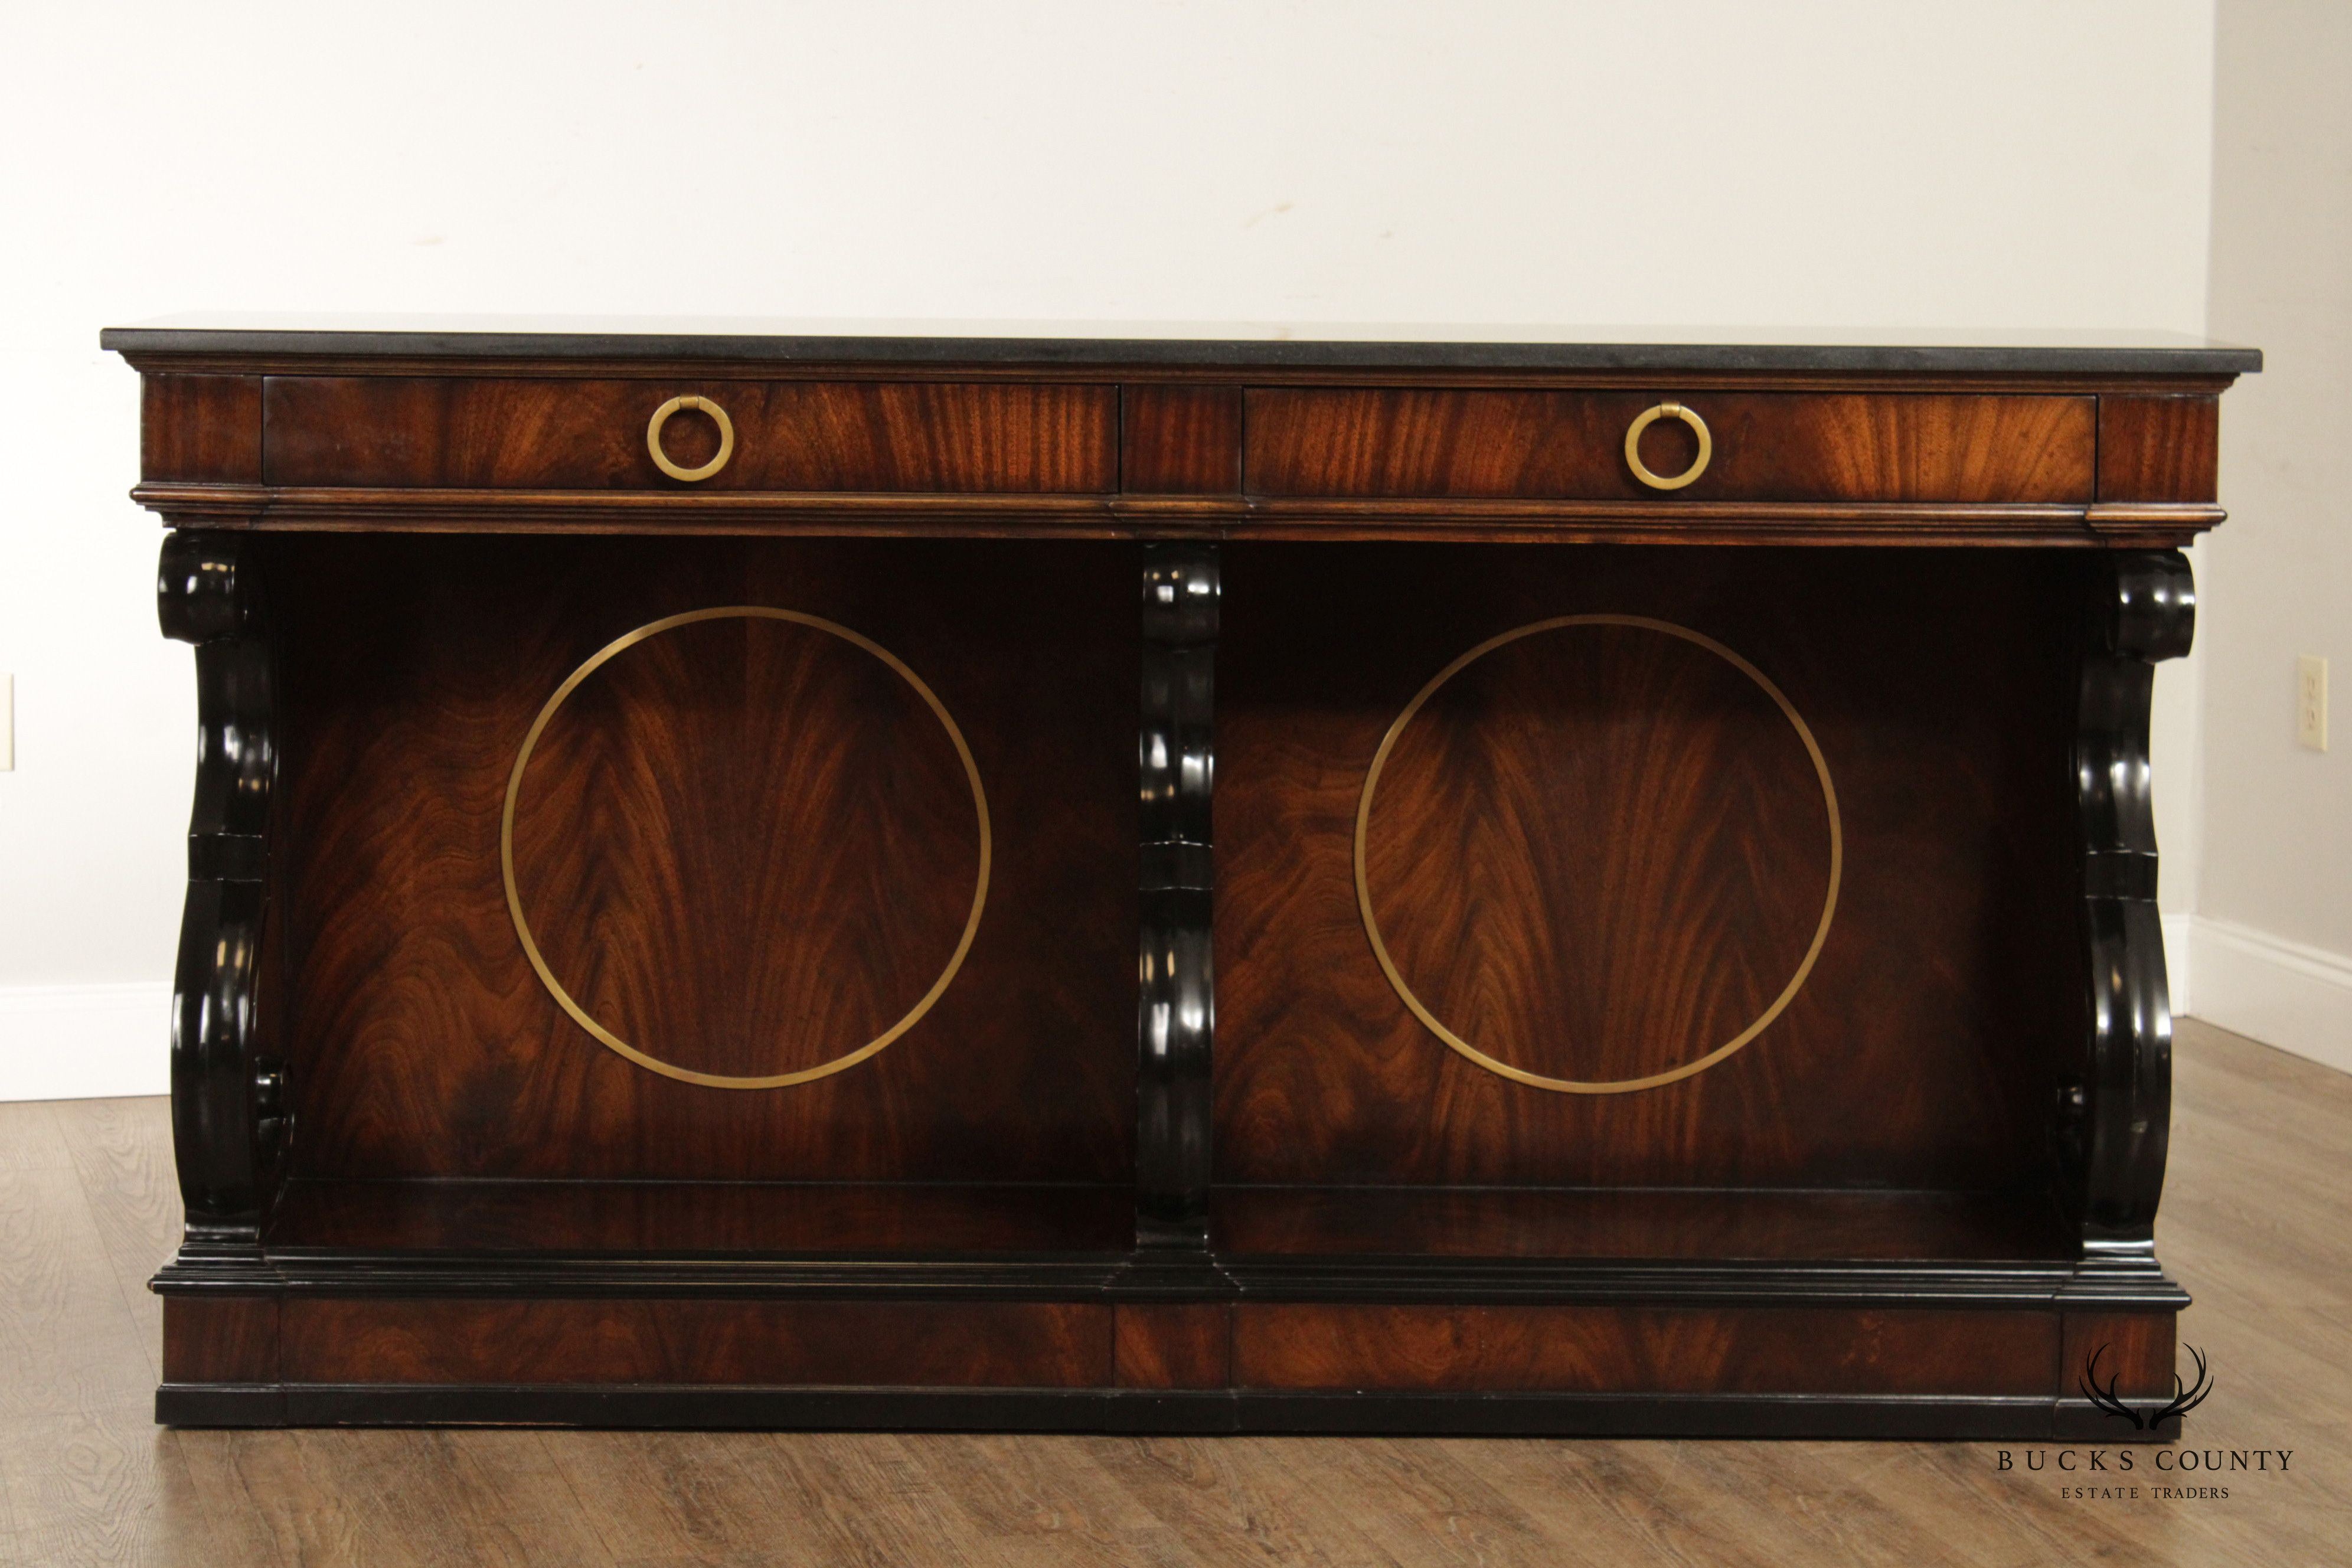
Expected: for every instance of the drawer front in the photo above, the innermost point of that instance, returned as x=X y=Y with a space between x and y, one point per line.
x=1766 y=447
x=516 y=434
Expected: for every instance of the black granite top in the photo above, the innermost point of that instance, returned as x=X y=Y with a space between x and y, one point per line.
x=1249 y=346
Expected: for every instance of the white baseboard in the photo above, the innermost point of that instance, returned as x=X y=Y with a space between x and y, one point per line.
x=85 y=1042
x=2267 y=988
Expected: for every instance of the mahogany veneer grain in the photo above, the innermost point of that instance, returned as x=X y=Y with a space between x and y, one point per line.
x=2136 y=1353
x=747 y=846
x=1180 y=440
x=1613 y=1350
x=674 y=1219
x=1922 y=1051
x=961 y=1344
x=1766 y=445
x=225 y=1339
x=2159 y=448
x=1617 y=1223
x=415 y=667
x=1186 y=1346
x=789 y=436
x=200 y=427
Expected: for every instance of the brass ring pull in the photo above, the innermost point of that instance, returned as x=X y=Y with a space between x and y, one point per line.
x=726 y=438
x=1633 y=447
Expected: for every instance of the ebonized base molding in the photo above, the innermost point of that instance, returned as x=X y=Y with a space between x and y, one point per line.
x=1357 y=1346
x=1206 y=1413
x=2035 y=1287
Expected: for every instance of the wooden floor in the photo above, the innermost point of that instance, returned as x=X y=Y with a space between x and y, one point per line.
x=2256 y=1221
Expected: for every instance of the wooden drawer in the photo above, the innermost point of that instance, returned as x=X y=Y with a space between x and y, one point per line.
x=460 y=433
x=1768 y=445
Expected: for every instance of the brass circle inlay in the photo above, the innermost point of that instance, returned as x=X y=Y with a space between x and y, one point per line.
x=1611 y=1086
x=579 y=1014
x=1650 y=417
x=679 y=405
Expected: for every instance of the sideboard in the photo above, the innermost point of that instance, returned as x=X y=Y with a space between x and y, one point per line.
x=1203 y=881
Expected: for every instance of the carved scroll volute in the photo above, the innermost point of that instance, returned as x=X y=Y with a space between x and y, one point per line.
x=2116 y=1117
x=1176 y=1014
x=228 y=1120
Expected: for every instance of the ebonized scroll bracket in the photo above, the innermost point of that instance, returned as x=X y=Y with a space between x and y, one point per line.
x=229 y=1121
x=2115 y=1117
x=1176 y=1010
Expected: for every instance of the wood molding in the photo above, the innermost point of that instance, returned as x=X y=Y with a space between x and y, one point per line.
x=327 y=362
x=363 y=510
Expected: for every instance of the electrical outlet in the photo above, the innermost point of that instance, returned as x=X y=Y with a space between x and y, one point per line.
x=2311 y=702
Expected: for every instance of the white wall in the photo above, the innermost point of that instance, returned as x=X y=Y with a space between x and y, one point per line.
x=2002 y=164
x=2271 y=950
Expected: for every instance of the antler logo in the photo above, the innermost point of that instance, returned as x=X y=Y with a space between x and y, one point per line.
x=2183 y=1400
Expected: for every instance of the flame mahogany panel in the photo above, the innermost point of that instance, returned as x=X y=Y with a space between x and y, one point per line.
x=2136 y=1353
x=1625 y=1349
x=427 y=1046
x=675 y=1219
x=1614 y=1223
x=1904 y=447
x=220 y=1338
x=1181 y=1346
x=1023 y=1344
x=200 y=427
x=2159 y=448
x=1180 y=440
x=1556 y=938
x=518 y=433
x=1921 y=1051
x=765 y=808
